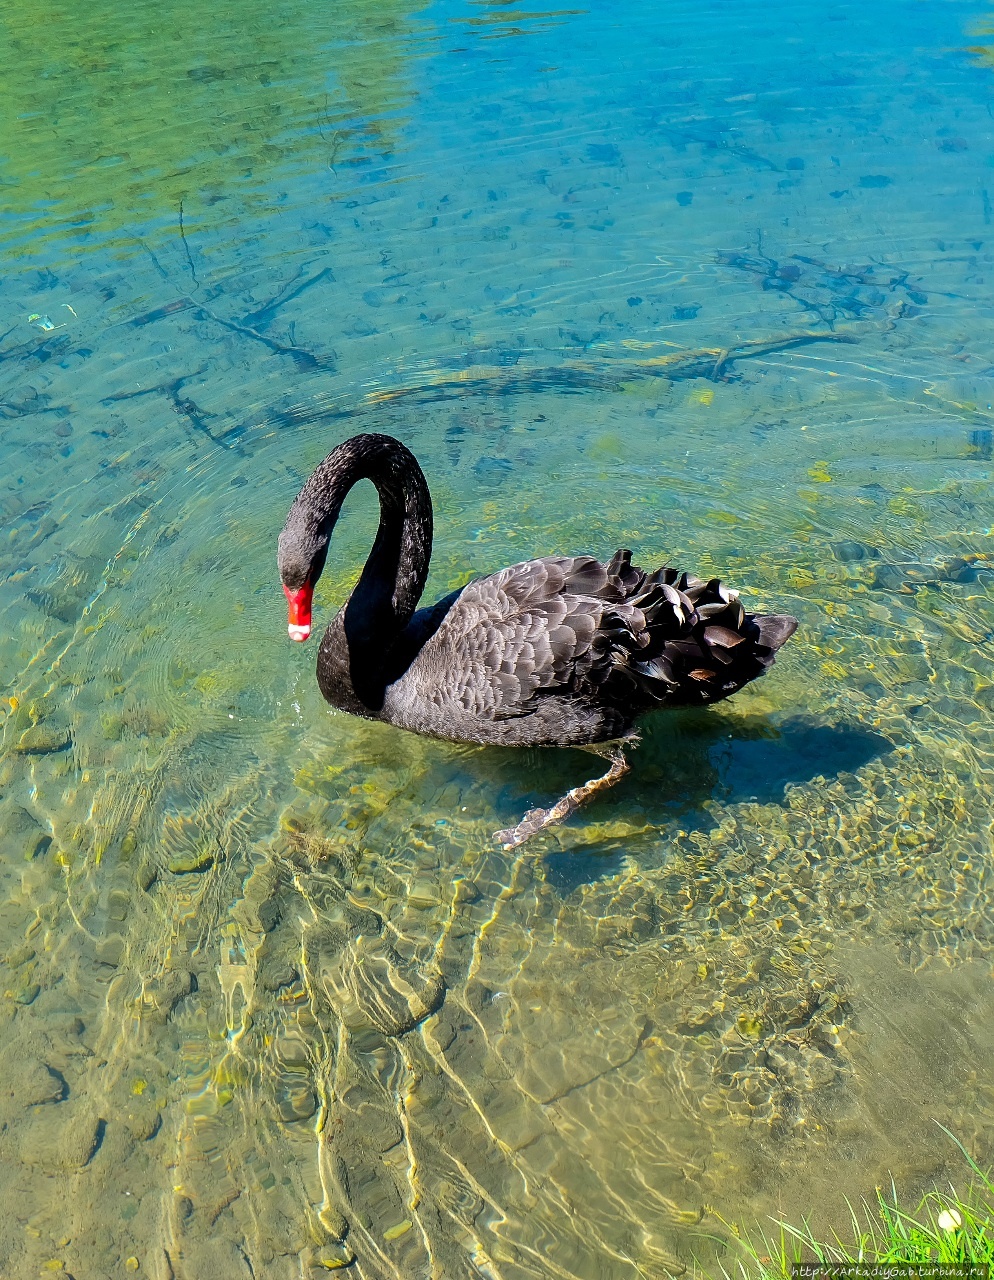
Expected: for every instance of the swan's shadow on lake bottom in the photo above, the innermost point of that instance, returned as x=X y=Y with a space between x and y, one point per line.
x=684 y=760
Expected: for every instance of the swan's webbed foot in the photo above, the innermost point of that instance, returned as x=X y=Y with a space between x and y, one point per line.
x=536 y=820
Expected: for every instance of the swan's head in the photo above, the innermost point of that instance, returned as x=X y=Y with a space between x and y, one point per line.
x=301 y=558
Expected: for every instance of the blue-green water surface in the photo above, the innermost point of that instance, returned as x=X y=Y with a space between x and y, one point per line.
x=710 y=281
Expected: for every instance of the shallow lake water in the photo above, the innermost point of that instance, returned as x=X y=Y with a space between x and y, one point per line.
x=707 y=281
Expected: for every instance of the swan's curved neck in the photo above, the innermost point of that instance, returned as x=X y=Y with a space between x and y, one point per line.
x=390 y=586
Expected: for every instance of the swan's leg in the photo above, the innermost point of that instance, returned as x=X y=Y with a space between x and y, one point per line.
x=536 y=820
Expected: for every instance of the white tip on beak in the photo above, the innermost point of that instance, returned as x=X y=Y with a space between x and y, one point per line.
x=298 y=633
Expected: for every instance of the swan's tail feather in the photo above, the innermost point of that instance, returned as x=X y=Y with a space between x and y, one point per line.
x=688 y=642
x=775 y=629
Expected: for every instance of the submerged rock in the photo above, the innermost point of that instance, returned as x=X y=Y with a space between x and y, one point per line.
x=62 y=1143
x=848 y=551
x=34 y=1083
x=956 y=569
x=489 y=470
x=161 y=995
x=43 y=739
x=296 y=1101
x=901 y=577
x=330 y=1257
x=185 y=860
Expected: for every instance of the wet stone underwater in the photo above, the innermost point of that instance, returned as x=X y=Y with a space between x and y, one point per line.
x=711 y=286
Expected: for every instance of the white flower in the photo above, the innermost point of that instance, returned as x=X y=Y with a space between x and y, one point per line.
x=949 y=1220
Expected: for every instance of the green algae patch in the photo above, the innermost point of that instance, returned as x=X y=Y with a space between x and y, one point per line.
x=220 y=103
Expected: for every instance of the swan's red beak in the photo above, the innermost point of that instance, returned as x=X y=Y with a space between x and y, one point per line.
x=300 y=611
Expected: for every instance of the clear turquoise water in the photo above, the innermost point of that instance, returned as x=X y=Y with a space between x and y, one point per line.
x=272 y=999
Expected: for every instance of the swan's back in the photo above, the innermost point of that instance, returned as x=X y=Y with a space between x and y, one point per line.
x=567 y=650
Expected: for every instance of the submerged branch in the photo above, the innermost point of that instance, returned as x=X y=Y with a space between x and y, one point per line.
x=609 y=374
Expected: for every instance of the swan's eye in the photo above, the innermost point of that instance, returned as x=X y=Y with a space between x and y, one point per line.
x=299 y=601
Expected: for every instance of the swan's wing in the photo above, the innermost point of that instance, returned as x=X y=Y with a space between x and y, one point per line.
x=570 y=625
x=543 y=626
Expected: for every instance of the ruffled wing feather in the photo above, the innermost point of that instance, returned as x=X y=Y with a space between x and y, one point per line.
x=612 y=634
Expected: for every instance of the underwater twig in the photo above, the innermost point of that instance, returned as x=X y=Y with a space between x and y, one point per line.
x=155 y=261
x=189 y=256
x=188 y=409
x=265 y=314
x=183 y=405
x=826 y=291
x=681 y=138
x=159 y=313
x=304 y=359
x=44 y=349
x=338 y=136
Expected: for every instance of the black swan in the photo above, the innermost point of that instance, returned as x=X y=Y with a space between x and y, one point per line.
x=562 y=651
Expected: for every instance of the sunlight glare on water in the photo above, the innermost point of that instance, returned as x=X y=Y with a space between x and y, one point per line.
x=711 y=283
